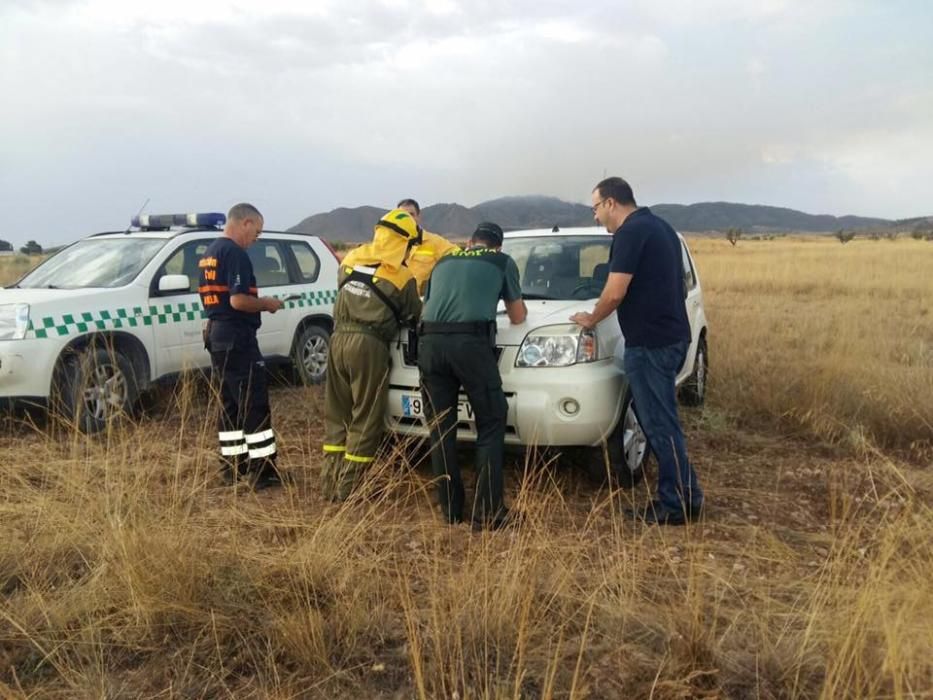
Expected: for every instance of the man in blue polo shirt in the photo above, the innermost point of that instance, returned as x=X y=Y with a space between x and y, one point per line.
x=646 y=288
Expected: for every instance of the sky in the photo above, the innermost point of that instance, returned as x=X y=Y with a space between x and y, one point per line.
x=301 y=106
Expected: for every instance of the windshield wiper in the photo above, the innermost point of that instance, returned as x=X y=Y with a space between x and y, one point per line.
x=538 y=297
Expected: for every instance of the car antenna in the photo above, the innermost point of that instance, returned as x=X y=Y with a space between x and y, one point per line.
x=138 y=214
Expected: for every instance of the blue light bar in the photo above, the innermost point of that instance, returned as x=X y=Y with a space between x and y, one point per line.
x=164 y=221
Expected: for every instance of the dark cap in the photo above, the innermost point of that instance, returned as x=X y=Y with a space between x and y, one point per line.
x=490 y=233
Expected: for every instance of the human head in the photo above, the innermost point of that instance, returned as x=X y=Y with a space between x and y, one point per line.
x=395 y=234
x=487 y=234
x=613 y=201
x=402 y=223
x=412 y=207
x=244 y=224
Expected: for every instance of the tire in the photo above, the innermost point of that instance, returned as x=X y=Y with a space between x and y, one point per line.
x=98 y=387
x=309 y=354
x=693 y=391
x=626 y=448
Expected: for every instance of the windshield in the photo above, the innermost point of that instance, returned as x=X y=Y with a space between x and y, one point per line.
x=561 y=267
x=108 y=262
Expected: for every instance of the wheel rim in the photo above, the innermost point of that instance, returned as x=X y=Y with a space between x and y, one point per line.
x=634 y=441
x=106 y=393
x=314 y=356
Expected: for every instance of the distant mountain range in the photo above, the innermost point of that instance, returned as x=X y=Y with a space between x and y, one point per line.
x=514 y=213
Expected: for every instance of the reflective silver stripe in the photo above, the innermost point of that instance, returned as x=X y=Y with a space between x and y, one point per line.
x=365 y=270
x=262 y=451
x=231 y=435
x=234 y=450
x=259 y=437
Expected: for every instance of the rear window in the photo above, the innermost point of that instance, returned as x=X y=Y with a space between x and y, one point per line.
x=308 y=264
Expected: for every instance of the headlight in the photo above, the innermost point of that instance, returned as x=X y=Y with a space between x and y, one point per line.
x=557 y=346
x=14 y=320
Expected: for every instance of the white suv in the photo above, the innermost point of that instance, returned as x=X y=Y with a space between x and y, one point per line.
x=94 y=325
x=565 y=386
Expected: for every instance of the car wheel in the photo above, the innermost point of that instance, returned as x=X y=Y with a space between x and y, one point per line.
x=628 y=447
x=98 y=387
x=627 y=450
x=693 y=391
x=309 y=354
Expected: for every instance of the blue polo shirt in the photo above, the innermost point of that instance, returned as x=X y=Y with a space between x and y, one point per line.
x=653 y=313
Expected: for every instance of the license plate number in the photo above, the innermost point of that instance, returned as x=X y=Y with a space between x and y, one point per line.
x=413 y=406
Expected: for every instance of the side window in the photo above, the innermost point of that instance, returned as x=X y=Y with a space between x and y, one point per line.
x=690 y=279
x=184 y=261
x=268 y=264
x=308 y=264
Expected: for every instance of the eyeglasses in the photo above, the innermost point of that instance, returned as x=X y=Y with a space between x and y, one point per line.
x=595 y=207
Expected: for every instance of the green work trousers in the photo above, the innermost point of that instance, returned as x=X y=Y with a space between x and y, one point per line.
x=354 y=409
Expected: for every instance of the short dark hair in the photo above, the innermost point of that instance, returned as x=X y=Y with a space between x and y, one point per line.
x=409 y=203
x=617 y=189
x=489 y=234
x=242 y=211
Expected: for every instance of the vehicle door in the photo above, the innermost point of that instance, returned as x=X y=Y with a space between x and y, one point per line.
x=270 y=267
x=693 y=299
x=178 y=317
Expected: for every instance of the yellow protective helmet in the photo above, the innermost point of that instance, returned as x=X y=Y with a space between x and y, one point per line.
x=401 y=222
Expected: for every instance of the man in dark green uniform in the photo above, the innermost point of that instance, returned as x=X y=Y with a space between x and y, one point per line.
x=457 y=348
x=377 y=295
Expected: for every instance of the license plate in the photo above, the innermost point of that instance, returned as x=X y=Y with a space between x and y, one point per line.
x=413 y=406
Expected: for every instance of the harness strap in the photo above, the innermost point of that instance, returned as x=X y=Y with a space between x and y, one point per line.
x=367 y=279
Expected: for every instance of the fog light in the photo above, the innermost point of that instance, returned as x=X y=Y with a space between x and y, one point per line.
x=570 y=407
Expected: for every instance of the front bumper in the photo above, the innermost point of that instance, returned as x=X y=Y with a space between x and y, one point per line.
x=25 y=368
x=537 y=397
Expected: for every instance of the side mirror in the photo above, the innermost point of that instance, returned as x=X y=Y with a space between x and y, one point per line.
x=174 y=284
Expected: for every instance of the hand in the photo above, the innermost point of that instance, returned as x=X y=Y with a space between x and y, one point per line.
x=584 y=319
x=271 y=304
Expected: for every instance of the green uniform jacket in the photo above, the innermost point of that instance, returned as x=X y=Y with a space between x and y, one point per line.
x=360 y=310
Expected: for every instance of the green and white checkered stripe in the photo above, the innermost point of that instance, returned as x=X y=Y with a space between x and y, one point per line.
x=321 y=298
x=137 y=316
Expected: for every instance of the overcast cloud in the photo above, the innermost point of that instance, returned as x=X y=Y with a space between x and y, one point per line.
x=303 y=106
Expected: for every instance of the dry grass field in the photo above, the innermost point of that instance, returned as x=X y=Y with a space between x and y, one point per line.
x=127 y=571
x=12 y=267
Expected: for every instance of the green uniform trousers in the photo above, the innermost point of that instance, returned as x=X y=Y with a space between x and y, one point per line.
x=447 y=362
x=354 y=409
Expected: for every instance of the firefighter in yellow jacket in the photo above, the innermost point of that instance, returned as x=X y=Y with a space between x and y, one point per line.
x=424 y=256
x=377 y=295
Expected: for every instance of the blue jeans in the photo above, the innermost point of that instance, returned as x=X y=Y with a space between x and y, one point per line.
x=651 y=374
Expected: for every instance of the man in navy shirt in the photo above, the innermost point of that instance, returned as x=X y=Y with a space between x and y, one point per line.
x=232 y=304
x=646 y=288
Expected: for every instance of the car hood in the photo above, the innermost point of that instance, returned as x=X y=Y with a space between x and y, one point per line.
x=540 y=313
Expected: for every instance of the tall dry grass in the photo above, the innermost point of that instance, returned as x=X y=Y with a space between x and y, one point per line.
x=126 y=570
x=834 y=339
x=12 y=267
